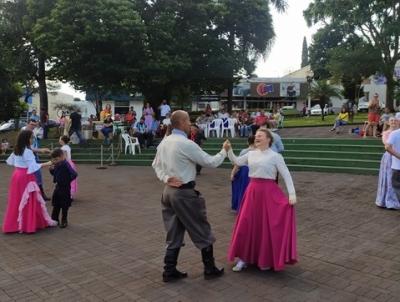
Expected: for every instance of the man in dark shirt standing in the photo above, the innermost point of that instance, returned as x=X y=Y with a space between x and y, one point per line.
x=76 y=126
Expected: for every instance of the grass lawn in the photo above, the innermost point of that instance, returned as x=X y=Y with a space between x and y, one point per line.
x=316 y=120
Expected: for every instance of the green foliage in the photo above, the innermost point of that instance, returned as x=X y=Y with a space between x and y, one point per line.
x=304 y=54
x=374 y=25
x=323 y=91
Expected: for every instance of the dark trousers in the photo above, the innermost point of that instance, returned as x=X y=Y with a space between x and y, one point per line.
x=254 y=129
x=144 y=138
x=55 y=215
x=185 y=210
x=198 y=168
x=78 y=134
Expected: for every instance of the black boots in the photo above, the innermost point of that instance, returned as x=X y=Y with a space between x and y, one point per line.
x=210 y=270
x=43 y=194
x=170 y=272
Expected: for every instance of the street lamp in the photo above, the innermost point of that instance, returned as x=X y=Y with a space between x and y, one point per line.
x=310 y=77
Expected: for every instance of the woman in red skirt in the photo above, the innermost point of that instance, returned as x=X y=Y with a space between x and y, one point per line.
x=26 y=210
x=265 y=229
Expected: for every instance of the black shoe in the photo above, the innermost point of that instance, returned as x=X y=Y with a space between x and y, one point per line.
x=170 y=272
x=210 y=270
x=173 y=276
x=63 y=224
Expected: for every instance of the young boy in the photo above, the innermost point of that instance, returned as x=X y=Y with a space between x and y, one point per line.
x=63 y=175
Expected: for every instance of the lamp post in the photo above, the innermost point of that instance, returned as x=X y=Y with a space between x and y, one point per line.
x=310 y=77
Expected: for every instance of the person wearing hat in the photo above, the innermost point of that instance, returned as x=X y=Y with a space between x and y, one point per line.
x=393 y=147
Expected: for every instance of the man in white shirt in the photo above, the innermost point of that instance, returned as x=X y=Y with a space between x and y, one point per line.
x=393 y=147
x=183 y=208
x=164 y=110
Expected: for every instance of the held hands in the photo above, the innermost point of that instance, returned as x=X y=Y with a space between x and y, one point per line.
x=292 y=200
x=174 y=182
x=227 y=145
x=45 y=150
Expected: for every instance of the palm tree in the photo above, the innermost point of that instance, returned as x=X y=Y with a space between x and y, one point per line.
x=323 y=91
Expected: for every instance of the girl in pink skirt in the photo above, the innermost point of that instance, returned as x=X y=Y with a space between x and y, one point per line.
x=26 y=210
x=64 y=140
x=265 y=229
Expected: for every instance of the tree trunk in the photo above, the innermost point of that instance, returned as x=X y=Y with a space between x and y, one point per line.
x=390 y=85
x=41 y=79
x=230 y=96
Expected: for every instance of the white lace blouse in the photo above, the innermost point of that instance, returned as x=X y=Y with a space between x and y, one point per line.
x=67 y=151
x=265 y=164
x=27 y=160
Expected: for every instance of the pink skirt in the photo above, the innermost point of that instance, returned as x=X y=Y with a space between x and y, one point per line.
x=26 y=210
x=265 y=229
x=74 y=183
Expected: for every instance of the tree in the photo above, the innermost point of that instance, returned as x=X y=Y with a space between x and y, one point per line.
x=247 y=29
x=376 y=22
x=304 y=54
x=323 y=91
x=93 y=44
x=17 y=19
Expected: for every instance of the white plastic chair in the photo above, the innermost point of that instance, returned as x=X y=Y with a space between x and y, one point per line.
x=131 y=143
x=229 y=126
x=215 y=125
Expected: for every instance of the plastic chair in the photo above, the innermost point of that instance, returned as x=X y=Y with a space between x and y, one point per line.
x=215 y=125
x=131 y=143
x=229 y=126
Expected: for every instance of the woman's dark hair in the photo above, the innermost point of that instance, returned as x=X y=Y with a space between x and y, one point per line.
x=65 y=139
x=57 y=152
x=23 y=141
x=250 y=140
x=268 y=134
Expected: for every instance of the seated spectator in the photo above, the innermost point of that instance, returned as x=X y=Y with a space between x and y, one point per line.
x=130 y=117
x=202 y=121
x=167 y=120
x=384 y=120
x=341 y=120
x=222 y=114
x=4 y=146
x=143 y=134
x=117 y=117
x=105 y=112
x=107 y=129
x=34 y=116
x=208 y=110
x=259 y=121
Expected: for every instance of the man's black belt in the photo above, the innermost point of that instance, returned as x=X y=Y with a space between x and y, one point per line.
x=189 y=185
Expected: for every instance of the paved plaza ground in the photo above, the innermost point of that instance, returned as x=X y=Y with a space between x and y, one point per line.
x=113 y=248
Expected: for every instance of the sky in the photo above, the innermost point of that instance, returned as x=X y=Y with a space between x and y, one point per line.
x=285 y=54
x=290 y=29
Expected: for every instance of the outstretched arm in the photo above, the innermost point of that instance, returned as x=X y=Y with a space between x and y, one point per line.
x=284 y=172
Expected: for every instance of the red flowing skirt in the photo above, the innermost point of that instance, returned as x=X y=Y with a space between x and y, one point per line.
x=265 y=229
x=26 y=210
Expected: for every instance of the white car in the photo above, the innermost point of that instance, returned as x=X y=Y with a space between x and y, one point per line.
x=362 y=106
x=316 y=110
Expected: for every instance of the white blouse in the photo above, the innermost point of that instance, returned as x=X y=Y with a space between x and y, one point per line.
x=265 y=164
x=67 y=151
x=27 y=160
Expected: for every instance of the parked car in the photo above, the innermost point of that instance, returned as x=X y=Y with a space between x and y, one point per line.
x=316 y=110
x=10 y=125
x=362 y=104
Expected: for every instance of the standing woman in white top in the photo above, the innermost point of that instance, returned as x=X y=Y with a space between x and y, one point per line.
x=63 y=141
x=26 y=209
x=265 y=230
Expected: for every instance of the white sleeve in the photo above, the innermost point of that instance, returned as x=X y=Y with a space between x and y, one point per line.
x=30 y=161
x=239 y=161
x=284 y=172
x=159 y=169
x=11 y=160
x=197 y=155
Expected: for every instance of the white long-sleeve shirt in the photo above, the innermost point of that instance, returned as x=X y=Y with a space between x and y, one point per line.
x=27 y=160
x=265 y=164
x=177 y=156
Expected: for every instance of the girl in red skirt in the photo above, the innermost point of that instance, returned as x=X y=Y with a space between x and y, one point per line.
x=265 y=229
x=26 y=210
